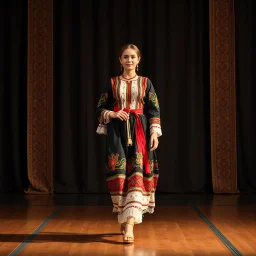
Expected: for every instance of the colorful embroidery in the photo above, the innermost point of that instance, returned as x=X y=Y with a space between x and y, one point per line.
x=154 y=120
x=143 y=86
x=103 y=98
x=153 y=165
x=115 y=164
x=138 y=160
x=115 y=83
x=101 y=117
x=154 y=99
x=134 y=162
x=123 y=96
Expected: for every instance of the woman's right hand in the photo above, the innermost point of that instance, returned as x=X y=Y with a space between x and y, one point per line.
x=122 y=115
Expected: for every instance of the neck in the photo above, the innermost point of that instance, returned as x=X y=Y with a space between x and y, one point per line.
x=129 y=74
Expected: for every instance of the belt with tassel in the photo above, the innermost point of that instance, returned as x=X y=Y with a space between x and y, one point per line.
x=140 y=135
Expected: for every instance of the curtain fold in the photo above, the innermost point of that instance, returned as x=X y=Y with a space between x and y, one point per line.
x=173 y=38
x=246 y=94
x=13 y=88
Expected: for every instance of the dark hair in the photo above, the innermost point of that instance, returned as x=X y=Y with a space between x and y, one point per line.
x=130 y=46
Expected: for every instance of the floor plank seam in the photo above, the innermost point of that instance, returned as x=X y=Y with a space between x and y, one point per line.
x=31 y=236
x=218 y=233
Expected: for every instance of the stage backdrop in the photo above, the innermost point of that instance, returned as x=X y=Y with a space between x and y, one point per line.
x=174 y=39
x=246 y=94
x=13 y=90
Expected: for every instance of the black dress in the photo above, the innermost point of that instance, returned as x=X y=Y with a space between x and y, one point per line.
x=132 y=172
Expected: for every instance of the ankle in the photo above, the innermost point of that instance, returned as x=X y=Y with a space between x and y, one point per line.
x=129 y=225
x=130 y=220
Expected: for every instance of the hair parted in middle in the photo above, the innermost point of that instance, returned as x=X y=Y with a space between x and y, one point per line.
x=129 y=46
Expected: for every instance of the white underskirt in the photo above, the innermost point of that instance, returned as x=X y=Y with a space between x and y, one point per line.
x=133 y=212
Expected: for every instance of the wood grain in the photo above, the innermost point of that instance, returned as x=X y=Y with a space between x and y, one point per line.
x=175 y=230
x=236 y=223
x=17 y=222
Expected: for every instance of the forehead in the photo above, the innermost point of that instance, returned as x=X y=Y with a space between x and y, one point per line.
x=129 y=52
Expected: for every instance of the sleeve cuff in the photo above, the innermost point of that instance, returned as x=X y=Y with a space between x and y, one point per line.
x=157 y=129
x=104 y=117
x=102 y=129
x=155 y=126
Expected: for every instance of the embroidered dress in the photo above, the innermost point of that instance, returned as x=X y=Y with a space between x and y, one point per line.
x=131 y=171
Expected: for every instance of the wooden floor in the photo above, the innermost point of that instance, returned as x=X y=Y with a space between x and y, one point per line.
x=41 y=227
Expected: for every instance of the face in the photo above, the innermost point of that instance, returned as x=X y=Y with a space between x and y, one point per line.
x=129 y=59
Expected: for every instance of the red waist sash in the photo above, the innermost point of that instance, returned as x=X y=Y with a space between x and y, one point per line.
x=140 y=135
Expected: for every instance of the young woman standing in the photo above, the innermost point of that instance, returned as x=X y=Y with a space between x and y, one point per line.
x=128 y=113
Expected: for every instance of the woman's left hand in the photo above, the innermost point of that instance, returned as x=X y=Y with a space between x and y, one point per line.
x=153 y=141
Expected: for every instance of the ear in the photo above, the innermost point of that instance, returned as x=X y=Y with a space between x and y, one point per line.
x=139 y=60
x=120 y=60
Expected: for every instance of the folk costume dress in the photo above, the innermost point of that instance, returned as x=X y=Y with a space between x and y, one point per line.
x=131 y=168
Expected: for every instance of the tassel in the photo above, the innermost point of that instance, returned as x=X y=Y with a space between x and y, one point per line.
x=129 y=139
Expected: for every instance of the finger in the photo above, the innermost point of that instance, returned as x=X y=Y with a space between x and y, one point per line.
x=151 y=142
x=120 y=117
x=155 y=145
x=125 y=114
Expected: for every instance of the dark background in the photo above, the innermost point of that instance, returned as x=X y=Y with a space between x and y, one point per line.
x=174 y=39
x=246 y=94
x=13 y=91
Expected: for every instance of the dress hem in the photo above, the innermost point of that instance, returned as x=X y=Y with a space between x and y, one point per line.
x=135 y=212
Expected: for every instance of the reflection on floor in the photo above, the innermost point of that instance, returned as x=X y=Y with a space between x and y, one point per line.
x=83 y=224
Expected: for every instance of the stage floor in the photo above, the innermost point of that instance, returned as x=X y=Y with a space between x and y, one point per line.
x=83 y=224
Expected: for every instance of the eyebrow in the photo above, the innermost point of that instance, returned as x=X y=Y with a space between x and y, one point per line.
x=126 y=55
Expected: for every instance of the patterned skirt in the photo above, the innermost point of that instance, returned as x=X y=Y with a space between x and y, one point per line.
x=132 y=190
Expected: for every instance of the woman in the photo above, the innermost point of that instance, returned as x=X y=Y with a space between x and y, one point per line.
x=128 y=113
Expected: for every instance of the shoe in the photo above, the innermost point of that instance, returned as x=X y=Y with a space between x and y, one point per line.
x=129 y=239
x=122 y=228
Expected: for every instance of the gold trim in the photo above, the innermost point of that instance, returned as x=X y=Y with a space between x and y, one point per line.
x=223 y=96
x=40 y=96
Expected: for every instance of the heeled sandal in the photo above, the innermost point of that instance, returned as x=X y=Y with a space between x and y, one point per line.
x=129 y=239
x=122 y=228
